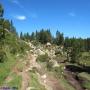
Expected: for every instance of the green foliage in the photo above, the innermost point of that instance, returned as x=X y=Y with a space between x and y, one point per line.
x=6 y=24
x=87 y=41
x=84 y=60
x=35 y=83
x=32 y=37
x=15 y=82
x=49 y=65
x=74 y=55
x=1 y=10
x=58 y=51
x=44 y=36
x=59 y=38
x=9 y=39
x=86 y=80
x=6 y=67
x=60 y=58
x=43 y=58
x=58 y=71
x=84 y=75
x=2 y=56
x=13 y=29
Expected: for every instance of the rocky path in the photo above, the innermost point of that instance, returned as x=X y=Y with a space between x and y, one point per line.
x=49 y=81
x=44 y=78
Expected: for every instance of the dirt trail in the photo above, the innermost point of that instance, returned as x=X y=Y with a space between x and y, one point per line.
x=54 y=83
x=25 y=80
x=49 y=81
x=25 y=74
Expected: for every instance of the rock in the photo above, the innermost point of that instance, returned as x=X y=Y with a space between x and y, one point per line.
x=55 y=64
x=17 y=55
x=44 y=81
x=48 y=44
x=30 y=88
x=31 y=51
x=28 y=69
x=27 y=52
x=40 y=52
x=44 y=76
x=64 y=67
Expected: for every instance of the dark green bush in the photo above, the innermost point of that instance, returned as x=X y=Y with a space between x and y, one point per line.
x=2 y=56
x=58 y=51
x=43 y=58
x=13 y=50
x=49 y=65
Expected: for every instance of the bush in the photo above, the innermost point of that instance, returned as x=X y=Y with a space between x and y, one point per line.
x=2 y=56
x=23 y=47
x=49 y=65
x=43 y=58
x=13 y=50
x=58 y=51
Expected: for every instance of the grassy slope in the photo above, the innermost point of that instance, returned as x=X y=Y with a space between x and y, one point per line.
x=6 y=67
x=12 y=46
x=86 y=80
x=85 y=59
x=15 y=82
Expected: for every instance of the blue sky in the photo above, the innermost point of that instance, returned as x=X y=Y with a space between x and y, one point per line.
x=72 y=17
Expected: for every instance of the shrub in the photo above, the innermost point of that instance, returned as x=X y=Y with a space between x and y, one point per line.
x=43 y=58
x=2 y=56
x=58 y=51
x=13 y=50
x=49 y=65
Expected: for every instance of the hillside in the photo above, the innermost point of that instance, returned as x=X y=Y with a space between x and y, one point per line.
x=42 y=62
x=41 y=71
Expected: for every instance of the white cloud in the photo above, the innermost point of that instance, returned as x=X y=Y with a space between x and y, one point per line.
x=20 y=17
x=17 y=2
x=72 y=14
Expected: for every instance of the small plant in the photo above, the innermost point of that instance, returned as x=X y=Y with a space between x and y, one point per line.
x=2 y=56
x=43 y=58
x=49 y=65
x=13 y=50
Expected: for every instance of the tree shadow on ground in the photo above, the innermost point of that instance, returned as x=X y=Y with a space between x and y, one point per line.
x=78 y=69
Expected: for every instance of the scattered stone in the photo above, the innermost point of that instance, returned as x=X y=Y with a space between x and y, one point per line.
x=44 y=76
x=29 y=69
x=44 y=81
x=27 y=52
x=64 y=67
x=17 y=55
x=55 y=64
x=30 y=88
x=40 y=52
x=48 y=44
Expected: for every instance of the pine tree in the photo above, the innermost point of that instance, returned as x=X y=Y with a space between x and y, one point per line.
x=88 y=44
x=2 y=21
x=12 y=28
x=59 y=38
x=1 y=10
x=32 y=37
x=74 y=54
x=21 y=35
